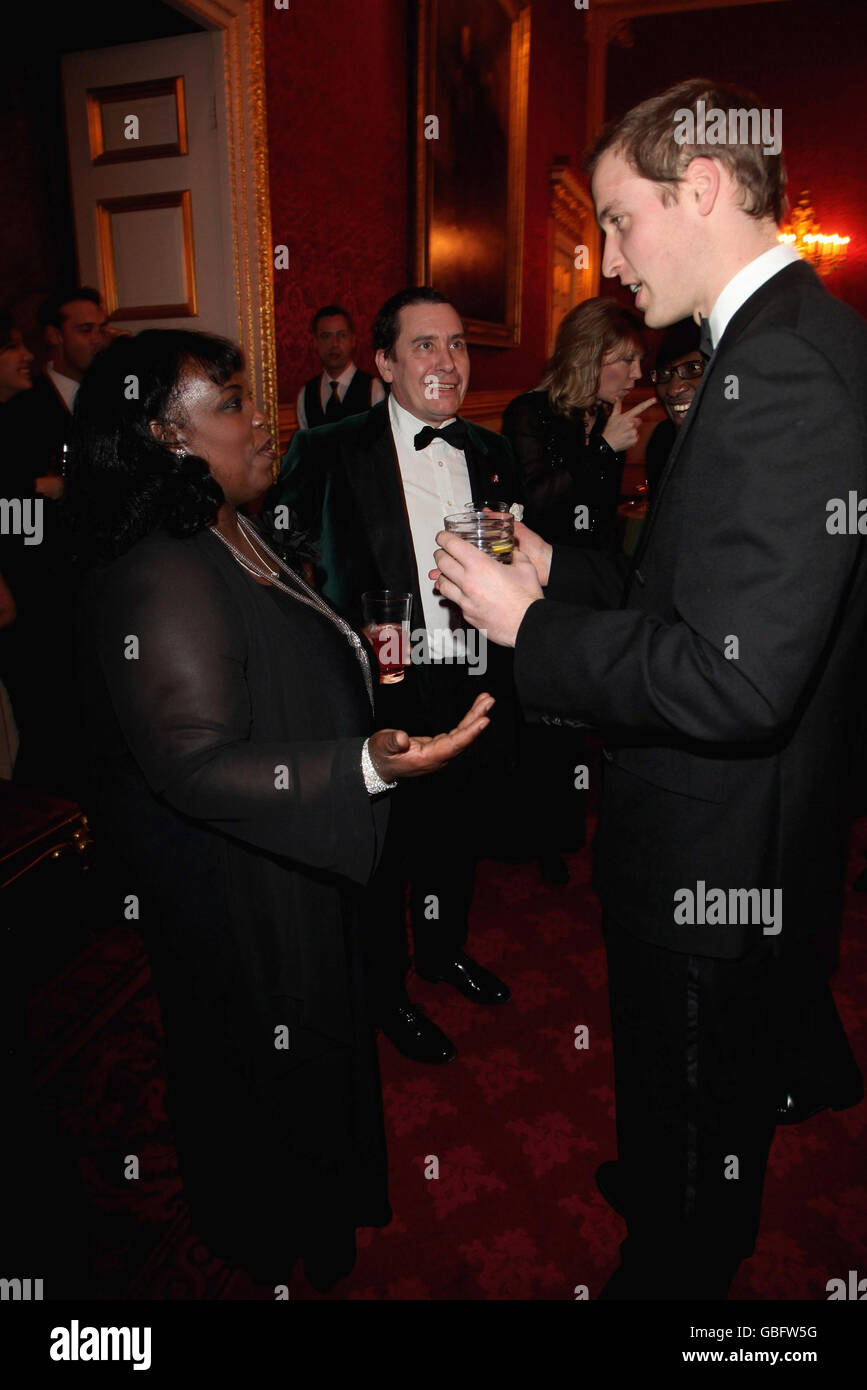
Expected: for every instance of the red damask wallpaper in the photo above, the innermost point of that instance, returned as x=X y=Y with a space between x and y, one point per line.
x=341 y=114
x=813 y=68
x=338 y=105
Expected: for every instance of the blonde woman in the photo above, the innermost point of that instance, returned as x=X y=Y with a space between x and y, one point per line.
x=569 y=435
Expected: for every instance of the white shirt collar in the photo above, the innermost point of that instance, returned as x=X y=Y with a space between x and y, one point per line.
x=65 y=387
x=345 y=376
x=748 y=279
x=405 y=426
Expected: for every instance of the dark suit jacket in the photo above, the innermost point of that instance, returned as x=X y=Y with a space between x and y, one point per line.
x=42 y=425
x=343 y=482
x=727 y=768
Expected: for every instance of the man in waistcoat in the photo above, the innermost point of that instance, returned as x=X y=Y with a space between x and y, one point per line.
x=341 y=389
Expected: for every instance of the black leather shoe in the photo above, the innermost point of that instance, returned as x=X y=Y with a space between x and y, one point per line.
x=553 y=868
x=793 y=1110
x=470 y=978
x=415 y=1035
x=609 y=1184
x=795 y=1107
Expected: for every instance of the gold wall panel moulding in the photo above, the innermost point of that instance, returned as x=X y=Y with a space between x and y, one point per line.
x=108 y=208
x=131 y=94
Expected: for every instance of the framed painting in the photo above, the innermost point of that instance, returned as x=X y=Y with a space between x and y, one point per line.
x=471 y=121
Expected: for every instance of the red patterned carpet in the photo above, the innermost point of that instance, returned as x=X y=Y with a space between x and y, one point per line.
x=518 y=1123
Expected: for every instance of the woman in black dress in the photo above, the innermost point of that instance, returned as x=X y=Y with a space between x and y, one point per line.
x=229 y=713
x=15 y=377
x=570 y=434
x=569 y=437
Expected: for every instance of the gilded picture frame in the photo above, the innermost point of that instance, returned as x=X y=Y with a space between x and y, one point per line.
x=472 y=80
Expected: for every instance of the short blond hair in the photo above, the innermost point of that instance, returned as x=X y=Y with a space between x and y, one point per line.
x=645 y=137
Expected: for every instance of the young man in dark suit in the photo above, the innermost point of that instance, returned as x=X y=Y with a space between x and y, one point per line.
x=373 y=491
x=720 y=663
x=75 y=328
x=44 y=579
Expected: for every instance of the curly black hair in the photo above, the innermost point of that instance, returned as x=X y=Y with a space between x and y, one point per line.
x=122 y=482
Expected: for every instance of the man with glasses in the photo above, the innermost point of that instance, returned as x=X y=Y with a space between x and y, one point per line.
x=679 y=368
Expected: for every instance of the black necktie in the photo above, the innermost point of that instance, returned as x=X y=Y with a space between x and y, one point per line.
x=332 y=410
x=455 y=433
x=705 y=341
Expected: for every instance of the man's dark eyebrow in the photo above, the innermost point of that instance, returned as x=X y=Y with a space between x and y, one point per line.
x=606 y=212
x=426 y=337
x=231 y=386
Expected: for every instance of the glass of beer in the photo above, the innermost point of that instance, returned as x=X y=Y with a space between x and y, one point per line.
x=386 y=623
x=493 y=532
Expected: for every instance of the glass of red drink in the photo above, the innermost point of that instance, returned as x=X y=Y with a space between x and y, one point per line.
x=386 y=625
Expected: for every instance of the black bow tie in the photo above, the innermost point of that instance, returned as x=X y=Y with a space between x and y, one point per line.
x=705 y=341
x=455 y=433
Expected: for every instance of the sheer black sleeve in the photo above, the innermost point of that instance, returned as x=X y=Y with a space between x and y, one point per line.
x=545 y=487
x=559 y=467
x=171 y=644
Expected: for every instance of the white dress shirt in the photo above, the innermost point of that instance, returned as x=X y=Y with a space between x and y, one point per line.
x=436 y=482
x=66 y=388
x=748 y=279
x=377 y=391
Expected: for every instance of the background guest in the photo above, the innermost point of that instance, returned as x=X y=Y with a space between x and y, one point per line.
x=569 y=437
x=16 y=361
x=38 y=653
x=341 y=389
x=75 y=329
x=15 y=378
x=679 y=368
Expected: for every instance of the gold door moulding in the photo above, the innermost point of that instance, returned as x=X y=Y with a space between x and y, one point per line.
x=245 y=113
x=106 y=209
x=130 y=93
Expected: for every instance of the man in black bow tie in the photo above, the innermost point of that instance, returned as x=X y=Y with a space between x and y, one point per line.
x=372 y=492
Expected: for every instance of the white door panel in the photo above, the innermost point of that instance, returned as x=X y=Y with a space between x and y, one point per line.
x=149 y=175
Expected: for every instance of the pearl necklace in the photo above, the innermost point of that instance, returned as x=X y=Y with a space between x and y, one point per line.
x=307 y=595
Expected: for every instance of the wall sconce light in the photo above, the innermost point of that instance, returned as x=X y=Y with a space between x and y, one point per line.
x=825 y=253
